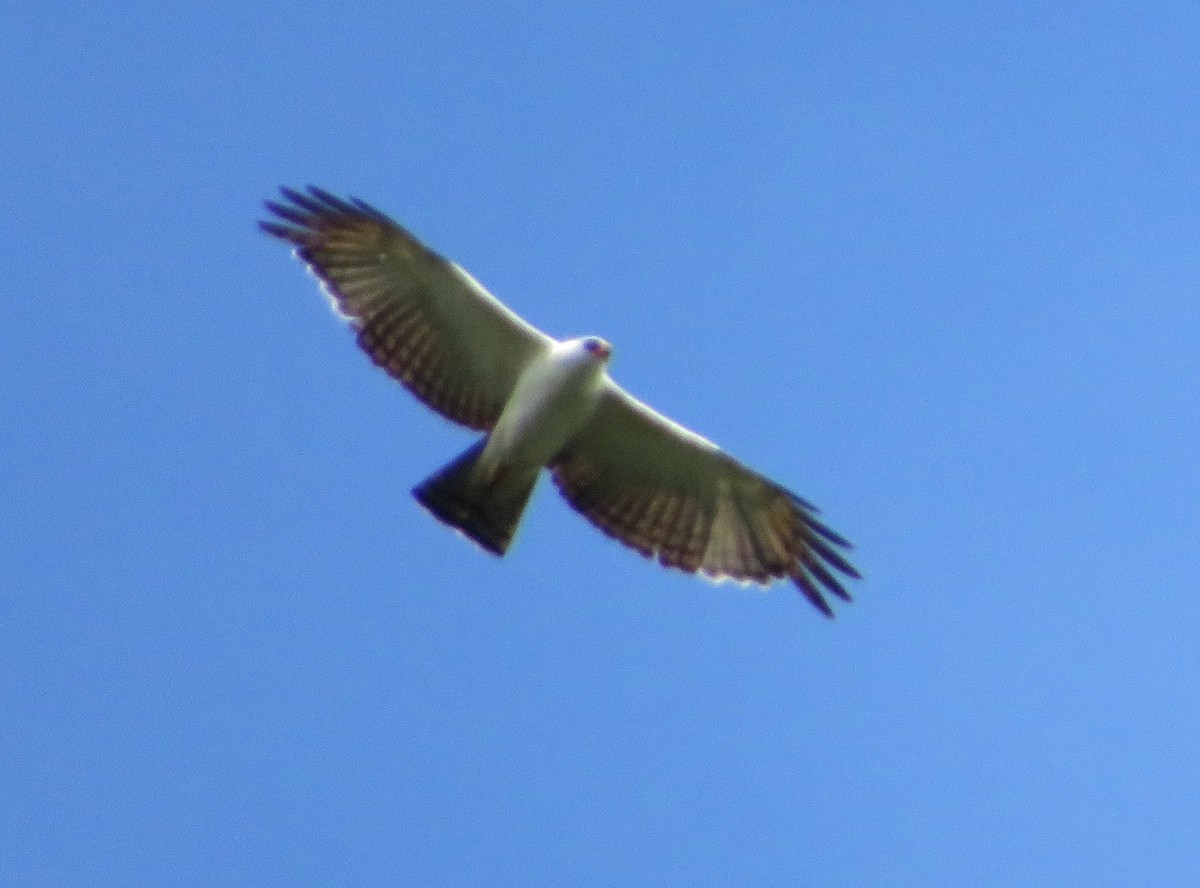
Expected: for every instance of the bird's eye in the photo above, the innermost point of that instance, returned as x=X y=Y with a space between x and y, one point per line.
x=592 y=345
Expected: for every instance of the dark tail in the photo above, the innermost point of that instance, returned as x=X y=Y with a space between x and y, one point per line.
x=487 y=512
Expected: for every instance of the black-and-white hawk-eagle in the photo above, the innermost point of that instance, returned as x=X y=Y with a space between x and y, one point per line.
x=543 y=403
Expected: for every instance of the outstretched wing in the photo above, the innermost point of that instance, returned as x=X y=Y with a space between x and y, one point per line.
x=675 y=496
x=419 y=316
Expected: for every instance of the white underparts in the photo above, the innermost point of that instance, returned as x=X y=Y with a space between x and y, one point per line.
x=552 y=401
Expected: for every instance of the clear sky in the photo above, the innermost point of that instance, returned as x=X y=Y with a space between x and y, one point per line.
x=935 y=267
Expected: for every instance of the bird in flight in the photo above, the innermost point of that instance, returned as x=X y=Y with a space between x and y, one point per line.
x=648 y=482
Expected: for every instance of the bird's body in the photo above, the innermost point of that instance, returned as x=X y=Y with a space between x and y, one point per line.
x=552 y=400
x=641 y=478
x=484 y=492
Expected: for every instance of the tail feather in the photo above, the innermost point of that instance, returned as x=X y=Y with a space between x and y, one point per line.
x=487 y=512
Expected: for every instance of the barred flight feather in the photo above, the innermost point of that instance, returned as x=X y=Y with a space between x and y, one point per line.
x=398 y=295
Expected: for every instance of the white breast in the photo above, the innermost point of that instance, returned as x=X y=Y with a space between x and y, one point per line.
x=553 y=399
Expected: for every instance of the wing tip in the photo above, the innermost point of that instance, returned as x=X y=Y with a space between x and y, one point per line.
x=306 y=208
x=813 y=595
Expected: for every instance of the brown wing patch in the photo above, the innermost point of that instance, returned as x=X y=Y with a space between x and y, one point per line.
x=378 y=277
x=755 y=532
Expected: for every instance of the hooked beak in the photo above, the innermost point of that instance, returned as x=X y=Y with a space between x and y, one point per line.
x=598 y=348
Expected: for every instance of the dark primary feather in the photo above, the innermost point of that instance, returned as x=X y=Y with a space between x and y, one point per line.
x=675 y=497
x=417 y=315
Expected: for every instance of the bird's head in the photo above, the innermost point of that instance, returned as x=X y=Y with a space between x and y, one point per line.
x=597 y=348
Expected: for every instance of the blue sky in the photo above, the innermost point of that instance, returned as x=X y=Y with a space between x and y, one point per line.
x=934 y=267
